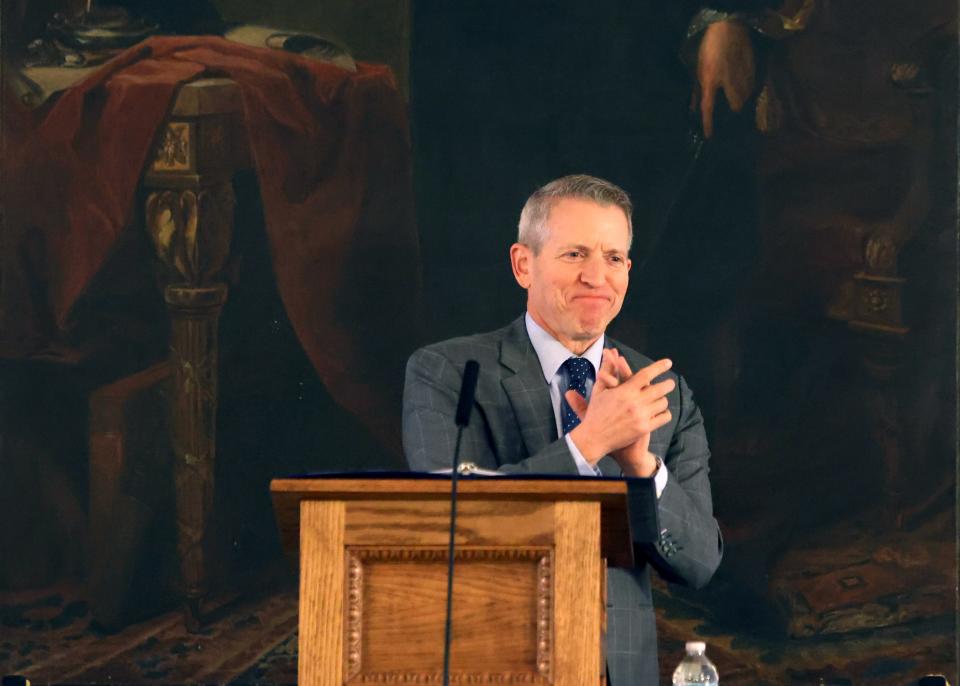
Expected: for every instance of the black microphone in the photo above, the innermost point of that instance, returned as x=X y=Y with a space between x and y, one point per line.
x=468 y=389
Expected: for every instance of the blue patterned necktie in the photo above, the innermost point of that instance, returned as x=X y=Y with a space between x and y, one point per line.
x=578 y=371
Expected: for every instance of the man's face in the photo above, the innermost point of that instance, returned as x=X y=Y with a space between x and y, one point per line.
x=576 y=284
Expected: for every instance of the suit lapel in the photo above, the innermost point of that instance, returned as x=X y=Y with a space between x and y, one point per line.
x=526 y=389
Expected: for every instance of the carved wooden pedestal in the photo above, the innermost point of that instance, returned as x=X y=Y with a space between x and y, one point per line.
x=528 y=585
x=879 y=324
x=189 y=215
x=195 y=313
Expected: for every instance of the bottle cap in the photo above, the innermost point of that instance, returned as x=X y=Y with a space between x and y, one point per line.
x=696 y=646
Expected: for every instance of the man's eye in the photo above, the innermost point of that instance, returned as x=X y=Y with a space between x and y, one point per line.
x=573 y=254
x=618 y=259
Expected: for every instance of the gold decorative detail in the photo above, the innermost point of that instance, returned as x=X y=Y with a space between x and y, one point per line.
x=195 y=378
x=194 y=312
x=440 y=554
x=354 y=624
x=173 y=153
x=904 y=73
x=769 y=110
x=544 y=616
x=191 y=231
x=455 y=678
x=172 y=219
x=878 y=304
x=875 y=300
x=784 y=24
x=881 y=255
x=800 y=19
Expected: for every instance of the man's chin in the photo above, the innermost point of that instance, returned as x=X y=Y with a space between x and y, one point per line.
x=590 y=332
x=591 y=326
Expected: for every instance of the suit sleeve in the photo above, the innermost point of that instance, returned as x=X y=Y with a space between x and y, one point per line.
x=430 y=396
x=689 y=547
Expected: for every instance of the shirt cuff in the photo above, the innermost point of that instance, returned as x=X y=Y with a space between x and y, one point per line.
x=660 y=478
x=584 y=467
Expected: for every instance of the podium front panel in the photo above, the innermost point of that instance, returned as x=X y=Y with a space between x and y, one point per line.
x=396 y=608
x=527 y=605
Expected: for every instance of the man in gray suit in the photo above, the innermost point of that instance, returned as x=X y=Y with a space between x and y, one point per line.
x=557 y=396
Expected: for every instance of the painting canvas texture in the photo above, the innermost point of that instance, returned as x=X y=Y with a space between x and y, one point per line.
x=225 y=231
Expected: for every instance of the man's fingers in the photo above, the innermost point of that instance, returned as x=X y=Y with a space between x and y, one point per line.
x=657 y=368
x=608 y=363
x=606 y=380
x=577 y=402
x=657 y=390
x=659 y=420
x=658 y=406
x=644 y=376
x=607 y=376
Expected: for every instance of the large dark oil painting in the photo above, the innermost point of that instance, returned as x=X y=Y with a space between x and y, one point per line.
x=226 y=225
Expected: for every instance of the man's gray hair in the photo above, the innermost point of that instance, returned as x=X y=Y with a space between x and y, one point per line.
x=532 y=230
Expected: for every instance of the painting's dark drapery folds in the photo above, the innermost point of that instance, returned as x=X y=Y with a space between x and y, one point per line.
x=331 y=151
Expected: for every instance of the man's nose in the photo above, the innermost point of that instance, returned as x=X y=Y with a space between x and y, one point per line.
x=594 y=271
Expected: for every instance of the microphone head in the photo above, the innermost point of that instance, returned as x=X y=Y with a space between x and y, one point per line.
x=467 y=391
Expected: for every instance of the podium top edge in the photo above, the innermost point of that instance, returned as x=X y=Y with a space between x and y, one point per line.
x=548 y=487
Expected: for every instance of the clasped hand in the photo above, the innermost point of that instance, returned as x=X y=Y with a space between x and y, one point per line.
x=625 y=408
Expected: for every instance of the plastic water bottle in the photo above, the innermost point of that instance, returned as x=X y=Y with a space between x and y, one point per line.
x=696 y=669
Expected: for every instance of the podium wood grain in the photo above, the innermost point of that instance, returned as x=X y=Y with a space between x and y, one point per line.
x=527 y=605
x=495 y=613
x=577 y=587
x=479 y=522
x=403 y=493
x=321 y=593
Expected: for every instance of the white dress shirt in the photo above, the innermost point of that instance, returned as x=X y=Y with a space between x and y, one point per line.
x=552 y=354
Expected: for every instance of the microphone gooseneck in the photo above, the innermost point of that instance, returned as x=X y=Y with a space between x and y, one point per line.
x=468 y=388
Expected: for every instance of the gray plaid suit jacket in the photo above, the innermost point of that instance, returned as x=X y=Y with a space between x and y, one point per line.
x=513 y=430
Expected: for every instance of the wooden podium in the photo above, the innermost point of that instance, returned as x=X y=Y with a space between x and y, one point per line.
x=528 y=604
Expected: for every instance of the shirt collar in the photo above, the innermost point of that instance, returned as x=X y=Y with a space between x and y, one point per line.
x=552 y=353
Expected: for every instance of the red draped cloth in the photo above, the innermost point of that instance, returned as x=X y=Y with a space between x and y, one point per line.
x=332 y=155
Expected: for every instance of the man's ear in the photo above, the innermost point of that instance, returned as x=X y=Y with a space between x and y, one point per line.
x=521 y=258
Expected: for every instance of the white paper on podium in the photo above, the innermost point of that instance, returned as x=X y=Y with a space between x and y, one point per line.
x=469 y=469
